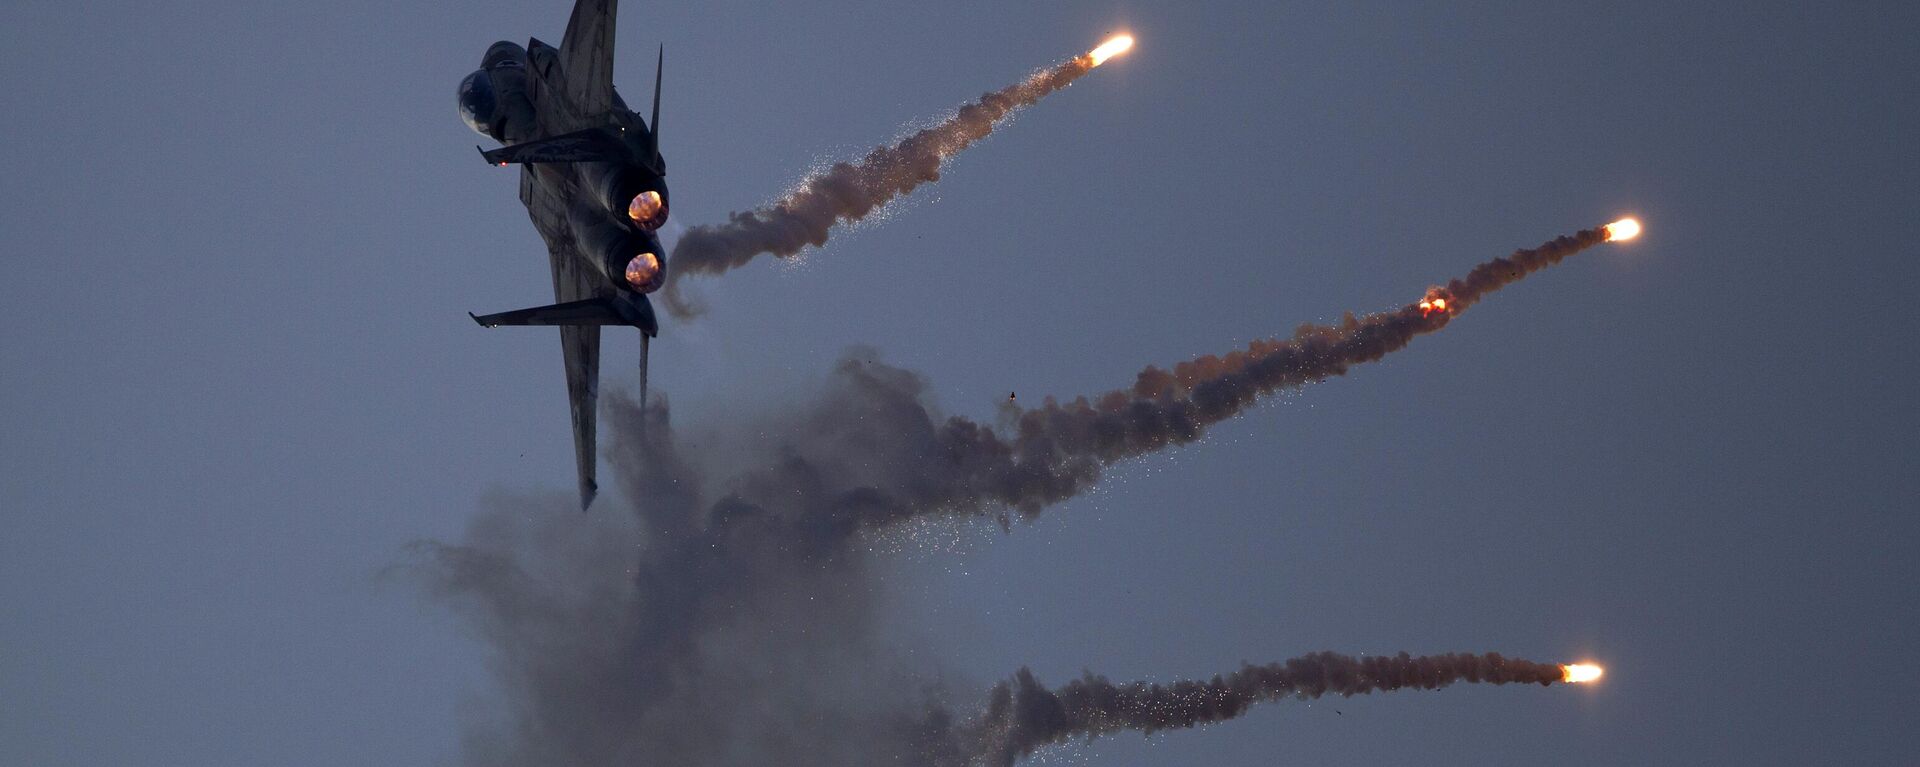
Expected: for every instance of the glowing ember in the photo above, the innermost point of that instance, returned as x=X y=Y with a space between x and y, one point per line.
x=643 y=272
x=1110 y=49
x=1623 y=230
x=1576 y=673
x=648 y=210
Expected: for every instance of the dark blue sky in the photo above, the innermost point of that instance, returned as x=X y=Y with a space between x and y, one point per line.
x=236 y=377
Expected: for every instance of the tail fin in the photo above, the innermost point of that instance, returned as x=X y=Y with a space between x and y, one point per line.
x=653 y=125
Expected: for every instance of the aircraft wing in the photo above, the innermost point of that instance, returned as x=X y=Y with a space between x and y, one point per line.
x=579 y=344
x=586 y=56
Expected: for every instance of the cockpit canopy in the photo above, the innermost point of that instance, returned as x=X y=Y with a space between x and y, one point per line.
x=477 y=102
x=503 y=54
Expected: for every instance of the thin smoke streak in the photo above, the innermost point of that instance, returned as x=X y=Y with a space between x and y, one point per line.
x=848 y=192
x=1022 y=715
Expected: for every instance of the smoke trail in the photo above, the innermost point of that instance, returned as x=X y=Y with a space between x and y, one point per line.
x=1058 y=450
x=732 y=617
x=1022 y=715
x=847 y=192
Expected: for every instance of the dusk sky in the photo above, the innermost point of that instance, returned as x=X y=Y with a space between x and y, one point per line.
x=237 y=380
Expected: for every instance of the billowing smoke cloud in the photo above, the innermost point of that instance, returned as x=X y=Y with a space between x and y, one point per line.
x=731 y=618
x=847 y=192
x=1022 y=715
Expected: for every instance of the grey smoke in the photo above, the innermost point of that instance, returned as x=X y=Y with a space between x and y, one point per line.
x=847 y=192
x=1022 y=715
x=730 y=617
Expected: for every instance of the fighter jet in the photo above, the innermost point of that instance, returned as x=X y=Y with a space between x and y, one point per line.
x=594 y=183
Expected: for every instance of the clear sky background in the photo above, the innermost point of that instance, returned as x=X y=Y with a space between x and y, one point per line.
x=236 y=376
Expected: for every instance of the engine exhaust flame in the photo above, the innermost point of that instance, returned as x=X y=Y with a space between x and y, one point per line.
x=1623 y=230
x=848 y=191
x=643 y=272
x=1109 y=49
x=1578 y=673
x=647 y=210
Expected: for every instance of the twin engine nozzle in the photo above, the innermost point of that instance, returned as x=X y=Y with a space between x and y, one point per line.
x=628 y=250
x=629 y=255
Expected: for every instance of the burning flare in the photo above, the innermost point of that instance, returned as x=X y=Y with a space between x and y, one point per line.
x=1109 y=49
x=1623 y=230
x=1434 y=303
x=1577 y=673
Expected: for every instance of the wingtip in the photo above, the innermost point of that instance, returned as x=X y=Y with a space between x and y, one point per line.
x=478 y=321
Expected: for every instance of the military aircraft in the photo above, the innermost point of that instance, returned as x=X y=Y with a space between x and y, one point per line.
x=594 y=183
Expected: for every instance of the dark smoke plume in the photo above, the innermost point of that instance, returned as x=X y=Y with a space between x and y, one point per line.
x=1022 y=715
x=733 y=616
x=847 y=192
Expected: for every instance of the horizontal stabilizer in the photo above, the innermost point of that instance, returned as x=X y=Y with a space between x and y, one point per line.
x=590 y=145
x=635 y=311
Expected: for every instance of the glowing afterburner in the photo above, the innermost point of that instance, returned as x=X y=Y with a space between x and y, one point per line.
x=648 y=210
x=644 y=272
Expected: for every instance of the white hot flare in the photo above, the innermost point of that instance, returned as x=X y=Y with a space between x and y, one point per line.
x=1623 y=230
x=1109 y=49
x=1577 y=673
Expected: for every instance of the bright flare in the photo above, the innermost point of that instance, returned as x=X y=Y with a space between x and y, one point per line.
x=1622 y=230
x=1576 y=673
x=1110 y=49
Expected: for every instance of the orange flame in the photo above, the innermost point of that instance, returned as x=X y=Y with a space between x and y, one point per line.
x=1109 y=49
x=1579 y=673
x=648 y=210
x=644 y=272
x=1433 y=304
x=1623 y=230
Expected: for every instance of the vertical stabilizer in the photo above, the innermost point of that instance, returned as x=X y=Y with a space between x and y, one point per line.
x=653 y=125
